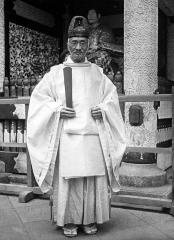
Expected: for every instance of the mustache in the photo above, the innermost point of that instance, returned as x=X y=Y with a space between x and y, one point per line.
x=77 y=51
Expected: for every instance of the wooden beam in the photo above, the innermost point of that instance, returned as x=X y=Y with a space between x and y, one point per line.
x=26 y=196
x=13 y=189
x=149 y=150
x=145 y=98
x=18 y=100
x=5 y=153
x=122 y=98
x=18 y=145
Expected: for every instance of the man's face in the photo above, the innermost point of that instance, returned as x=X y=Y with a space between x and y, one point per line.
x=78 y=47
x=93 y=17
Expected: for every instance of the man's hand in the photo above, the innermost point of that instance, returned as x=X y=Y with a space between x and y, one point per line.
x=96 y=113
x=67 y=113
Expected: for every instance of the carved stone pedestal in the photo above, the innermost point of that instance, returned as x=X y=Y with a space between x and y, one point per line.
x=141 y=175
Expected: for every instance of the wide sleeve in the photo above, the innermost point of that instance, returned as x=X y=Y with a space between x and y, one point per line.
x=113 y=130
x=42 y=126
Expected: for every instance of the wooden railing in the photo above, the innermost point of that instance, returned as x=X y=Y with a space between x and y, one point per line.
x=168 y=203
x=143 y=200
x=14 y=188
x=148 y=98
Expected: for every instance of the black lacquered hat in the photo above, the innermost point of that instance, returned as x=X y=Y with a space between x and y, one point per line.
x=78 y=27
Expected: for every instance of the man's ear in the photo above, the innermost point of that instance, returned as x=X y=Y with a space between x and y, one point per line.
x=67 y=44
x=88 y=43
x=99 y=15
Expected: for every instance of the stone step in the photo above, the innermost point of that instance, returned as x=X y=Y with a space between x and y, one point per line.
x=163 y=192
x=142 y=175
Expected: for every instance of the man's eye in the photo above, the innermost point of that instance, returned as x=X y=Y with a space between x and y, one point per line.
x=83 y=43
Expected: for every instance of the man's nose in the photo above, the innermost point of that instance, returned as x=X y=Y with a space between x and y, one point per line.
x=78 y=46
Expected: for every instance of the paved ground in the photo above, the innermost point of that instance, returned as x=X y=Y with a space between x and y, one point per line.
x=30 y=221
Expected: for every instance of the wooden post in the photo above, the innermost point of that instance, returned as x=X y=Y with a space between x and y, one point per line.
x=26 y=196
x=172 y=207
x=30 y=175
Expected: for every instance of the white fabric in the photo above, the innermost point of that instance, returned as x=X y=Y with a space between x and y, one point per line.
x=85 y=95
x=81 y=200
x=44 y=125
x=83 y=157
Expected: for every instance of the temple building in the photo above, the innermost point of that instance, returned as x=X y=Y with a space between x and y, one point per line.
x=139 y=61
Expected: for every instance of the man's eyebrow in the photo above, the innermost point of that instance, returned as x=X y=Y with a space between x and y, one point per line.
x=83 y=40
x=74 y=41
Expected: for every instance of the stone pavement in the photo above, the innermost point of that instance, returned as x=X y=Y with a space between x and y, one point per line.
x=30 y=221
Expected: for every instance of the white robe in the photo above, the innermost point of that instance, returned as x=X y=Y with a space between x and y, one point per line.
x=44 y=126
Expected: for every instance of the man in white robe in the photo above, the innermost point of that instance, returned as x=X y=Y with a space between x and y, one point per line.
x=76 y=151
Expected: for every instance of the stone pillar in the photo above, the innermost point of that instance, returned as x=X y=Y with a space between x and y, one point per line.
x=2 y=45
x=140 y=77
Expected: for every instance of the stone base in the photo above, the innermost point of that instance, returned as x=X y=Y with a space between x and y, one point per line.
x=163 y=192
x=141 y=175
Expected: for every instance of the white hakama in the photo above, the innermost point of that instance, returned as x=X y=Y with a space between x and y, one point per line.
x=82 y=200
